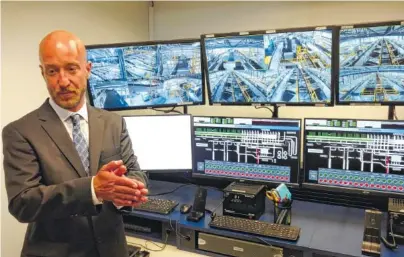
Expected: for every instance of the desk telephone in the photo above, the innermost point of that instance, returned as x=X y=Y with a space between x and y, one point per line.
x=395 y=228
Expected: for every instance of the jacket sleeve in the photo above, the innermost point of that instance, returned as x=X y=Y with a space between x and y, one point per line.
x=29 y=199
x=129 y=157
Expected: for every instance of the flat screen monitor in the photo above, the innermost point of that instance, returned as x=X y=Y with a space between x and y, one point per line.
x=270 y=67
x=358 y=155
x=146 y=75
x=371 y=64
x=247 y=149
x=162 y=143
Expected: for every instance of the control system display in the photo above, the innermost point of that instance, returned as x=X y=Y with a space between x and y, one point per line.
x=361 y=154
x=247 y=148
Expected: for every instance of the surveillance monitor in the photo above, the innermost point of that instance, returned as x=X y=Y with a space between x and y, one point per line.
x=292 y=67
x=371 y=64
x=146 y=75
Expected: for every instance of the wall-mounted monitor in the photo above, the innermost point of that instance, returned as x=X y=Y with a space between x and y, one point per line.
x=288 y=67
x=162 y=143
x=146 y=75
x=247 y=149
x=371 y=64
x=358 y=156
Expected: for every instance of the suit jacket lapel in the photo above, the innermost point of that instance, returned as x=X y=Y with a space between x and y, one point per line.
x=57 y=132
x=96 y=132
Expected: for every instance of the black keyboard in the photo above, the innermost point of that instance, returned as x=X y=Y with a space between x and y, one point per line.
x=256 y=227
x=155 y=205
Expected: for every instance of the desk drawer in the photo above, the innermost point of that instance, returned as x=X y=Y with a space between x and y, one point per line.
x=236 y=248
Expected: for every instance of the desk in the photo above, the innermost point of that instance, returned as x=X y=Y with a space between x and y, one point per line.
x=326 y=230
x=169 y=251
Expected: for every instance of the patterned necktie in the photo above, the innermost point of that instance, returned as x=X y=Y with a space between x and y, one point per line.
x=80 y=142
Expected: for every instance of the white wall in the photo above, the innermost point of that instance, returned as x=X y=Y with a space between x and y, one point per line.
x=23 y=26
x=174 y=20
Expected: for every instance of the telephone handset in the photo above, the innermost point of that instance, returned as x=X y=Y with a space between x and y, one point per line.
x=372 y=234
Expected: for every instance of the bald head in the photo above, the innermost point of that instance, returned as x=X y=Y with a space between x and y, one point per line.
x=61 y=41
x=65 y=68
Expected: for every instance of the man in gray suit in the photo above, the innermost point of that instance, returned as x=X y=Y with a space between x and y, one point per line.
x=70 y=168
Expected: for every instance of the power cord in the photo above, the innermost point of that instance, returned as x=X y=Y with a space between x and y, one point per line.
x=274 y=112
x=262 y=240
x=160 y=248
x=213 y=212
x=168 y=111
x=178 y=233
x=183 y=185
x=389 y=245
x=193 y=183
x=264 y=107
x=170 y=192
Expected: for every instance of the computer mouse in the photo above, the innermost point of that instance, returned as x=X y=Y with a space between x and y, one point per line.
x=185 y=208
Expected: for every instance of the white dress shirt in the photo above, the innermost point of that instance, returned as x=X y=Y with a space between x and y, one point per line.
x=64 y=116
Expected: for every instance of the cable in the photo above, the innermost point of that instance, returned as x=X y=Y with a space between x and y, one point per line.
x=161 y=248
x=274 y=112
x=193 y=183
x=264 y=107
x=178 y=233
x=172 y=191
x=263 y=241
x=167 y=111
x=189 y=184
x=212 y=212
x=389 y=245
x=134 y=244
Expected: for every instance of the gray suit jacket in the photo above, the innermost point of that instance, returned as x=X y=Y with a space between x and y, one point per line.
x=47 y=186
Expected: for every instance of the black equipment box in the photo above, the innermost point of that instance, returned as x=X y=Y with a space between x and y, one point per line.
x=244 y=200
x=234 y=247
x=396 y=216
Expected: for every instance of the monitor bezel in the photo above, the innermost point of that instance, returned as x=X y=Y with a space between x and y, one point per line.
x=337 y=37
x=158 y=171
x=334 y=61
x=252 y=181
x=148 y=43
x=331 y=188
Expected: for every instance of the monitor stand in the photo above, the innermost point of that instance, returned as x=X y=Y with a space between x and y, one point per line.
x=392 y=112
x=275 y=111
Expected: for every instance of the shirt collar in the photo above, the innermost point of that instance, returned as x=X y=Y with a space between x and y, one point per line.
x=65 y=114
